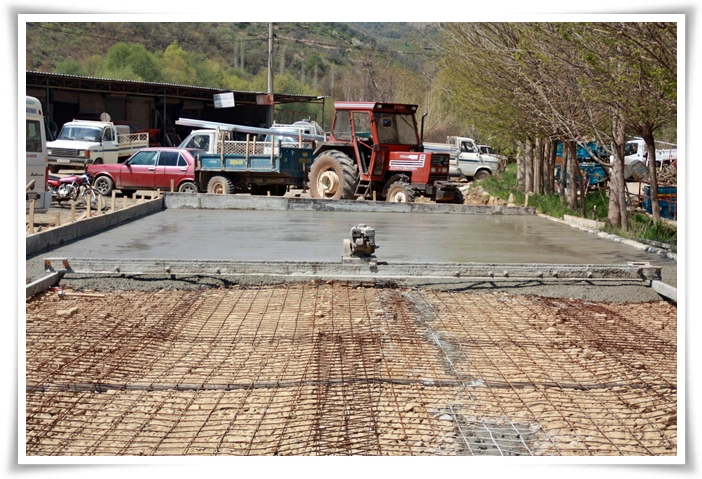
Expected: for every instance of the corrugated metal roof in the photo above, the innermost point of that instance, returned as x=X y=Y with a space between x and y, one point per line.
x=169 y=85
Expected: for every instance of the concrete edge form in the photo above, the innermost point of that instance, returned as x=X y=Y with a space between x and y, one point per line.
x=665 y=290
x=44 y=283
x=63 y=234
x=592 y=227
x=269 y=203
x=362 y=270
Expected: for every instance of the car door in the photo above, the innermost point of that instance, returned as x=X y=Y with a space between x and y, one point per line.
x=172 y=167
x=110 y=148
x=139 y=171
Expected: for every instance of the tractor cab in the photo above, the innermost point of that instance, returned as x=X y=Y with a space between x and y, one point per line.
x=373 y=130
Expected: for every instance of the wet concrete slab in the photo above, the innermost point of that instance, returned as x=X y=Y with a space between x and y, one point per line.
x=318 y=236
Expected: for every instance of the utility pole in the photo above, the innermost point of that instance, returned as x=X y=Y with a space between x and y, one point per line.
x=271 y=107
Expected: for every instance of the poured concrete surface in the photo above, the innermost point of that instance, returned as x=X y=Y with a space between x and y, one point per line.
x=319 y=235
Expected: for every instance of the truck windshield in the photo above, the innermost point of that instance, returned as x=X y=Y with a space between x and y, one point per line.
x=396 y=129
x=73 y=132
x=291 y=135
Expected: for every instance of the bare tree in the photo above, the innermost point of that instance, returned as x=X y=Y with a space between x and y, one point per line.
x=570 y=81
x=650 y=51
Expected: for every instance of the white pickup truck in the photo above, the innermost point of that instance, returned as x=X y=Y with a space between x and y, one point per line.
x=210 y=140
x=635 y=151
x=466 y=160
x=84 y=142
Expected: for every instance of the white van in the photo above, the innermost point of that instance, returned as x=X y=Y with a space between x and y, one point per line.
x=37 y=167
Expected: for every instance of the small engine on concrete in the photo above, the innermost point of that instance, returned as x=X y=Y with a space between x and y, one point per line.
x=361 y=246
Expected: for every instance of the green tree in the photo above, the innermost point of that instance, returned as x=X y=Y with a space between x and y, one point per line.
x=176 y=68
x=208 y=73
x=70 y=67
x=94 y=66
x=132 y=61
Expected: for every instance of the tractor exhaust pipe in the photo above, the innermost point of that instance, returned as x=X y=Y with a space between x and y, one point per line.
x=421 y=134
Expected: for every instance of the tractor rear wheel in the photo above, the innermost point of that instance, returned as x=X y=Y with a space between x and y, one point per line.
x=333 y=176
x=219 y=185
x=400 y=192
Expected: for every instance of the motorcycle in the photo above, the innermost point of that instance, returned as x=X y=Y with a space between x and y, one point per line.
x=74 y=188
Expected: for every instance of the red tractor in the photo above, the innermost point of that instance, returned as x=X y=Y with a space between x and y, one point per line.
x=375 y=148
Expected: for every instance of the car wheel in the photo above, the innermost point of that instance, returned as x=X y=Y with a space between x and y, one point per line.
x=481 y=175
x=187 y=187
x=104 y=185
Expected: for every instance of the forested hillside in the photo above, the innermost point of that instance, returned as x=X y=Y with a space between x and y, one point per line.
x=320 y=57
x=350 y=61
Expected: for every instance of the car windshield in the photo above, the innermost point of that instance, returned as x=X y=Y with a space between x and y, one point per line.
x=75 y=132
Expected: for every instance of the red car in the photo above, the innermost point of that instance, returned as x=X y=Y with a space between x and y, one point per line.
x=148 y=169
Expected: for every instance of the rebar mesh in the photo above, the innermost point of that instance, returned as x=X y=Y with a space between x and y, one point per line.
x=341 y=369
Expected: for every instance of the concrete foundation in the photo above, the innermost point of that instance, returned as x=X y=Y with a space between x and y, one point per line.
x=266 y=203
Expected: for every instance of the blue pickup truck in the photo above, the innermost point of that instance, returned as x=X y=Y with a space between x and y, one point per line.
x=259 y=161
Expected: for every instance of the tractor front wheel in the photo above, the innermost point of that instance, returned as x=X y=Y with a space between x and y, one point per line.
x=333 y=176
x=400 y=192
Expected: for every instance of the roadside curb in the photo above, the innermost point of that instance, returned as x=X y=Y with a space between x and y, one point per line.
x=578 y=223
